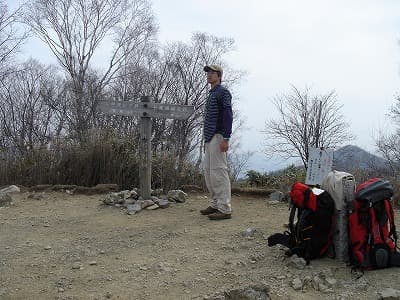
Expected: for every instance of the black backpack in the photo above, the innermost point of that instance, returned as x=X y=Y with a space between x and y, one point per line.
x=311 y=236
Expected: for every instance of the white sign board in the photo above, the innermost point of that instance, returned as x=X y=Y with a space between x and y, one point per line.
x=146 y=109
x=319 y=165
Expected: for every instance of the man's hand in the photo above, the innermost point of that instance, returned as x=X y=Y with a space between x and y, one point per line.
x=224 y=146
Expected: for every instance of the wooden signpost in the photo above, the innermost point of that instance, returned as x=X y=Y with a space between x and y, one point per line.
x=146 y=110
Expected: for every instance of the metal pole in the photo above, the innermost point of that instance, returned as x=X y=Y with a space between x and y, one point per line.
x=145 y=152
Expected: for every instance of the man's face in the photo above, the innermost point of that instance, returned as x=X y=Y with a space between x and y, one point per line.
x=212 y=77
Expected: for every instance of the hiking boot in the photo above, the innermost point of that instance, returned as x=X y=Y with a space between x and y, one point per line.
x=208 y=210
x=219 y=216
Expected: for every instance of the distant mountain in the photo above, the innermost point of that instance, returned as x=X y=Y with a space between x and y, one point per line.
x=351 y=157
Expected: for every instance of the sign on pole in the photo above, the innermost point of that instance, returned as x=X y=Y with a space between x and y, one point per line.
x=320 y=163
x=146 y=110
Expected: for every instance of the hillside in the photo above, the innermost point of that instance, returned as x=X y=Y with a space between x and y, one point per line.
x=351 y=157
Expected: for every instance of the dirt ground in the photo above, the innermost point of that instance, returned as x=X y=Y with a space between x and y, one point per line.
x=73 y=247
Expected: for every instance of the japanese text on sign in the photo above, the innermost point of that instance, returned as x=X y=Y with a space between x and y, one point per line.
x=319 y=165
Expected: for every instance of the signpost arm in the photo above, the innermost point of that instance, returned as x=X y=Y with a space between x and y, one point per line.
x=145 y=152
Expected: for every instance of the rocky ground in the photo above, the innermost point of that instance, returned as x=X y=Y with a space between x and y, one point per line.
x=59 y=245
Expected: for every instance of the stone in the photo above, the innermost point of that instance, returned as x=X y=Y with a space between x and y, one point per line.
x=133 y=208
x=111 y=198
x=276 y=196
x=129 y=201
x=177 y=196
x=317 y=282
x=70 y=192
x=163 y=203
x=324 y=289
x=297 y=284
x=249 y=232
x=10 y=189
x=76 y=266
x=146 y=203
x=330 y=281
x=296 y=262
x=389 y=294
x=252 y=292
x=152 y=207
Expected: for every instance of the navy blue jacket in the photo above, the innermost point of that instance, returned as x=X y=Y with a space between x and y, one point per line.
x=218 y=114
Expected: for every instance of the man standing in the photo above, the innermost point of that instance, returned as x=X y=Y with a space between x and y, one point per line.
x=217 y=131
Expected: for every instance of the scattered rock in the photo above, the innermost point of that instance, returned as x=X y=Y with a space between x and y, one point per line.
x=177 y=196
x=152 y=207
x=146 y=203
x=296 y=262
x=10 y=189
x=162 y=203
x=389 y=294
x=297 y=284
x=276 y=196
x=133 y=208
x=70 y=192
x=253 y=292
x=249 y=232
x=76 y=266
x=134 y=203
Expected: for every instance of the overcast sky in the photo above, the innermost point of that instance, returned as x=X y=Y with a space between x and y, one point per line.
x=351 y=47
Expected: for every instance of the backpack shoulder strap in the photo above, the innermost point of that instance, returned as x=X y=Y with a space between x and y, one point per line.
x=291 y=219
x=390 y=214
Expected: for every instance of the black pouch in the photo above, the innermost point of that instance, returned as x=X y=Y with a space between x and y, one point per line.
x=280 y=238
x=380 y=256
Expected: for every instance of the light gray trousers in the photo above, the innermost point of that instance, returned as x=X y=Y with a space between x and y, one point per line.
x=217 y=176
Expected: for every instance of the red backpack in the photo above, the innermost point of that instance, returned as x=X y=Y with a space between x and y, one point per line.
x=372 y=229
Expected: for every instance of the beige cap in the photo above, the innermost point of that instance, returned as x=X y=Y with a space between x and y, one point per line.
x=215 y=68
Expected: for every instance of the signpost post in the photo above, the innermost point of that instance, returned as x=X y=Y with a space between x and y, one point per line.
x=146 y=110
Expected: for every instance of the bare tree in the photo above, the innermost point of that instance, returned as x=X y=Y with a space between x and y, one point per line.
x=388 y=145
x=75 y=29
x=175 y=75
x=186 y=85
x=27 y=120
x=238 y=162
x=11 y=36
x=305 y=120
